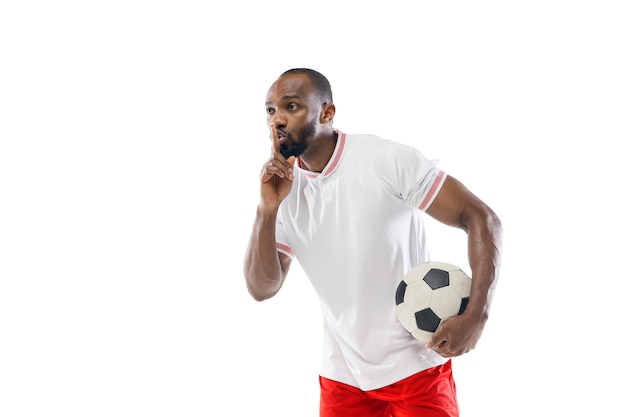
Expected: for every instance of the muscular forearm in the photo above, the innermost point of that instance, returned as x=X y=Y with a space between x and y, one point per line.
x=484 y=251
x=262 y=267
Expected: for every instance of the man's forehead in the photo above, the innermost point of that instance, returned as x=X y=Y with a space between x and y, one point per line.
x=290 y=85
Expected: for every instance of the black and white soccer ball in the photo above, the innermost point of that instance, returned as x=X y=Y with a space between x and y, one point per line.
x=429 y=294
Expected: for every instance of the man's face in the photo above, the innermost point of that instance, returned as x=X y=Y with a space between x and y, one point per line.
x=294 y=109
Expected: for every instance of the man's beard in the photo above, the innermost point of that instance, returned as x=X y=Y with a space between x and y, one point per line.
x=297 y=148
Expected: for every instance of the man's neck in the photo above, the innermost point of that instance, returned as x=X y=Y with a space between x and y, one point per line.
x=320 y=152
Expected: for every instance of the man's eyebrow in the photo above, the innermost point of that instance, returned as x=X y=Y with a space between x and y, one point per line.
x=289 y=97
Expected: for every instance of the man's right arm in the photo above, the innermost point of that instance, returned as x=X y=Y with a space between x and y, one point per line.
x=265 y=268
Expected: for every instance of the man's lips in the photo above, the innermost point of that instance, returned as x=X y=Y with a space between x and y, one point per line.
x=282 y=137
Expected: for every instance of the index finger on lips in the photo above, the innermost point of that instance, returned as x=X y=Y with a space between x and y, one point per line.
x=274 y=134
x=283 y=164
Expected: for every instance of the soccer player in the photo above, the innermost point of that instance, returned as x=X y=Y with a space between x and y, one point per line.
x=349 y=209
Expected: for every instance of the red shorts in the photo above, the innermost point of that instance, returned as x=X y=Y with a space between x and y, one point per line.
x=430 y=393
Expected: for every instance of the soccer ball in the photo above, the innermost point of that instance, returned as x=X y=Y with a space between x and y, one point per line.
x=428 y=294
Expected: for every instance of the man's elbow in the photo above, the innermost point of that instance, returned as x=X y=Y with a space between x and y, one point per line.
x=261 y=296
x=261 y=292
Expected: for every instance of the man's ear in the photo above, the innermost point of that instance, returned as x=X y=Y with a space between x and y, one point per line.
x=328 y=113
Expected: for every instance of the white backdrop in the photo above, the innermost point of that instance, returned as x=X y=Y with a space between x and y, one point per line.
x=132 y=134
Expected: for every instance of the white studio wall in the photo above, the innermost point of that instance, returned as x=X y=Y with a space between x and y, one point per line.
x=132 y=135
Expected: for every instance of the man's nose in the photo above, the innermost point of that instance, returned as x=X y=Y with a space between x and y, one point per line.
x=279 y=118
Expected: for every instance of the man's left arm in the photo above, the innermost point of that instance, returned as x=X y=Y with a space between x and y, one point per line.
x=456 y=206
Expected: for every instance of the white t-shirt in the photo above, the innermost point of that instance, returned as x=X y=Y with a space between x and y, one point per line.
x=356 y=228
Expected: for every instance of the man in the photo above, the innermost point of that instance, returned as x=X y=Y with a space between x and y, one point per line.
x=349 y=209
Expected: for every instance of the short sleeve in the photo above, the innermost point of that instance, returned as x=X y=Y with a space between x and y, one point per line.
x=282 y=245
x=415 y=178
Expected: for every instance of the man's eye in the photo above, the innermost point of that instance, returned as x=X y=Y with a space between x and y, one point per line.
x=292 y=106
x=269 y=110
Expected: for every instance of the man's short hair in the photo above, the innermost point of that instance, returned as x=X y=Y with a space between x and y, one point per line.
x=320 y=82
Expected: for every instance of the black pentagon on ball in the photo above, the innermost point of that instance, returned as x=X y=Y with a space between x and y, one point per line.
x=427 y=320
x=437 y=278
x=400 y=292
x=464 y=302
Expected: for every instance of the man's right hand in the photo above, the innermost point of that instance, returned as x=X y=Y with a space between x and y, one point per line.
x=276 y=175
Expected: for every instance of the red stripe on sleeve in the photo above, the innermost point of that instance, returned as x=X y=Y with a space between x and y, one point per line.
x=285 y=248
x=432 y=191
